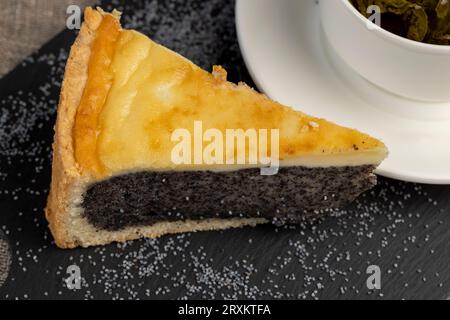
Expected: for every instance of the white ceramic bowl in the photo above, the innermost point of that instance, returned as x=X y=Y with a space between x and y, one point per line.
x=408 y=68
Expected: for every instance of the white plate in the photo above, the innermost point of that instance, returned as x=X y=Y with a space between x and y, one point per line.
x=290 y=60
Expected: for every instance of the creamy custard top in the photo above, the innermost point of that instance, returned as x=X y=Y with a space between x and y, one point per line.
x=138 y=93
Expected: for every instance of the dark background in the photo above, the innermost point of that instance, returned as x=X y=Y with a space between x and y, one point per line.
x=404 y=228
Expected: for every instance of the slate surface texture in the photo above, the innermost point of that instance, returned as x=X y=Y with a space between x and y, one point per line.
x=401 y=227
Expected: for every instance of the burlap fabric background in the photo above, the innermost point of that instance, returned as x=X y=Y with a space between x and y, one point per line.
x=25 y=25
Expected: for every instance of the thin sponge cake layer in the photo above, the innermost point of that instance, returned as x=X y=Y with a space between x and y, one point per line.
x=145 y=198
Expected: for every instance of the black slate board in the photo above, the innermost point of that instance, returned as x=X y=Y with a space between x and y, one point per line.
x=401 y=227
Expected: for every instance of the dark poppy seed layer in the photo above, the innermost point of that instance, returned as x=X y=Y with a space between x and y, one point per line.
x=145 y=198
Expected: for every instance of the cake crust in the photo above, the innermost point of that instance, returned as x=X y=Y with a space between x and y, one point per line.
x=65 y=172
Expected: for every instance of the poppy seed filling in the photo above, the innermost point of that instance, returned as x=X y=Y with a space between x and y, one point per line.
x=145 y=198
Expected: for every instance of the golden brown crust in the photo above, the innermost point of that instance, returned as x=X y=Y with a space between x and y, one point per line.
x=65 y=172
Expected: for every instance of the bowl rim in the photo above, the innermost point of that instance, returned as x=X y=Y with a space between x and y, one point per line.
x=410 y=44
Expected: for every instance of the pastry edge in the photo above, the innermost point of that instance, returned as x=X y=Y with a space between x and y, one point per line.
x=68 y=184
x=65 y=172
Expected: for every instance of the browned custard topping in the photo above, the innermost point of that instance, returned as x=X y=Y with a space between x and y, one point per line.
x=139 y=92
x=87 y=126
